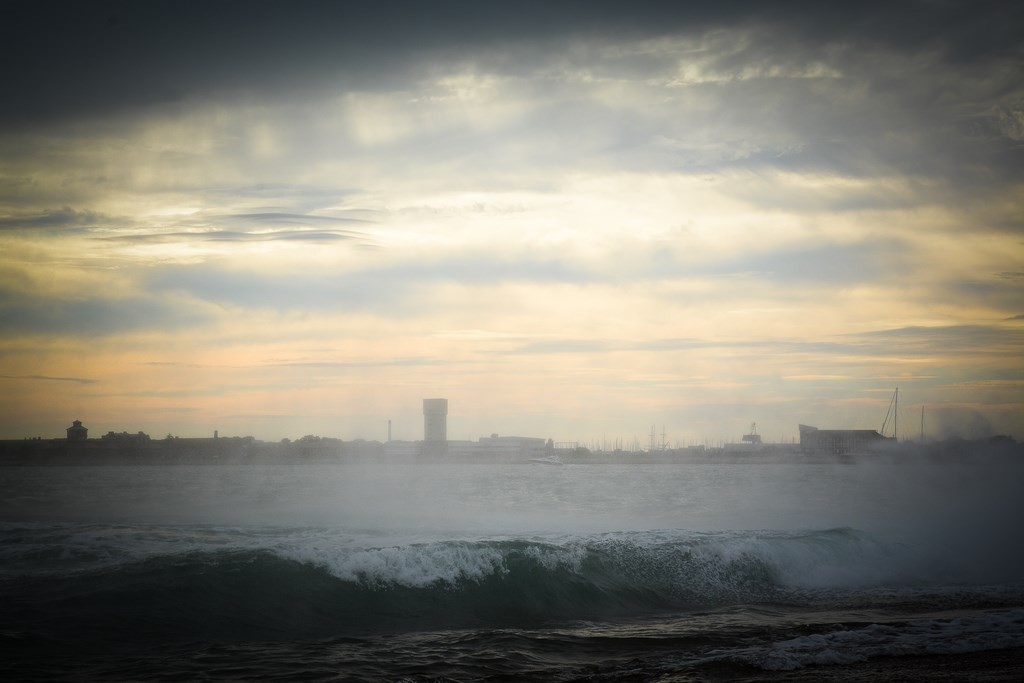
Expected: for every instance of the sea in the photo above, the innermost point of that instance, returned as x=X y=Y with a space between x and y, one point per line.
x=532 y=571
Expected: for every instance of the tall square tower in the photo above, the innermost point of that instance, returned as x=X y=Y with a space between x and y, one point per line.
x=435 y=420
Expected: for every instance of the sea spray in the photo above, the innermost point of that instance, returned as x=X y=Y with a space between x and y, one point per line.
x=329 y=584
x=558 y=573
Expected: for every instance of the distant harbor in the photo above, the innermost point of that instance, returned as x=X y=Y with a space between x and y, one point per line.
x=816 y=446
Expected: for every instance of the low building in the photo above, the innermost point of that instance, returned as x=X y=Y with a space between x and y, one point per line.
x=814 y=441
x=125 y=437
x=515 y=446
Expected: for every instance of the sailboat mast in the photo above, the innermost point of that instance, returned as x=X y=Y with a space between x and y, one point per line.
x=892 y=412
x=895 y=414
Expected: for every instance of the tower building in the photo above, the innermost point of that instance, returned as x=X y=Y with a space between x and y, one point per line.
x=435 y=420
x=76 y=432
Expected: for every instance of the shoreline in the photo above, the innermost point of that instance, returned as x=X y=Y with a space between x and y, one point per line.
x=987 y=666
x=248 y=451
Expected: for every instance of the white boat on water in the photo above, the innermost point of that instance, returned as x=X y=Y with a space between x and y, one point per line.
x=548 y=460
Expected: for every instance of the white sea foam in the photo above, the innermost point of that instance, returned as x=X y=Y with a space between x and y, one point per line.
x=953 y=635
x=715 y=566
x=414 y=566
x=553 y=557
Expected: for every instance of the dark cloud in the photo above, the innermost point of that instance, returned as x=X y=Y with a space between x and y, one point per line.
x=997 y=292
x=74 y=59
x=21 y=313
x=970 y=340
x=250 y=227
x=236 y=236
x=960 y=32
x=66 y=60
x=65 y=218
x=78 y=380
x=924 y=91
x=291 y=227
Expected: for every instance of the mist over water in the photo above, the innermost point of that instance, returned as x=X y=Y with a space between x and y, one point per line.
x=929 y=507
x=242 y=554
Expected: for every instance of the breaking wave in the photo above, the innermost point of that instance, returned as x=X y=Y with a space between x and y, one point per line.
x=213 y=583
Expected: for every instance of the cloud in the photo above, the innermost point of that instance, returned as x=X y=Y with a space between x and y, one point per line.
x=22 y=313
x=416 y=361
x=973 y=340
x=759 y=197
x=78 y=380
x=399 y=288
x=567 y=346
x=108 y=56
x=790 y=89
x=237 y=236
x=54 y=219
x=255 y=227
x=745 y=347
x=277 y=218
x=835 y=265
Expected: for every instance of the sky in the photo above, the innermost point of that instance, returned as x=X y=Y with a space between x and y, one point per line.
x=574 y=220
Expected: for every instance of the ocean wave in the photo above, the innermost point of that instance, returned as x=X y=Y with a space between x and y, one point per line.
x=939 y=636
x=267 y=582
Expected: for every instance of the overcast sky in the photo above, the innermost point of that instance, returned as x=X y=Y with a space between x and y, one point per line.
x=574 y=220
